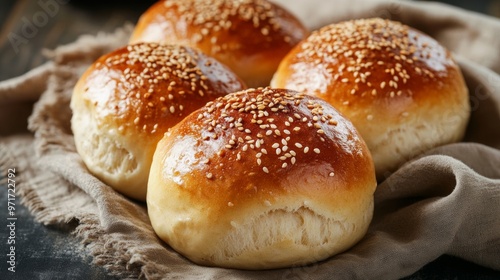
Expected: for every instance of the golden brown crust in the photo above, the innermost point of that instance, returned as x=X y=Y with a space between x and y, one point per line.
x=377 y=60
x=262 y=178
x=149 y=87
x=251 y=36
x=379 y=73
x=124 y=103
x=255 y=144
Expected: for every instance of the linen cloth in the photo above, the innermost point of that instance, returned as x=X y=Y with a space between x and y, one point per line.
x=445 y=201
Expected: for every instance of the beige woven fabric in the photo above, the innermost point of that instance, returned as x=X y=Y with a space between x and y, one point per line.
x=445 y=202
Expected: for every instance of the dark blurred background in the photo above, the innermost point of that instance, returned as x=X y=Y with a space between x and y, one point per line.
x=490 y=7
x=27 y=27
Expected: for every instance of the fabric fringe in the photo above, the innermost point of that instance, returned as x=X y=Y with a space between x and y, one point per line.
x=6 y=162
x=42 y=213
x=107 y=252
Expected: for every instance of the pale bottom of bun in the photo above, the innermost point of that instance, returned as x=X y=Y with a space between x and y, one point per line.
x=397 y=145
x=108 y=159
x=270 y=239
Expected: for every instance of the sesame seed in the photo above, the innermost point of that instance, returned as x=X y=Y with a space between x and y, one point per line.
x=258 y=131
x=358 y=43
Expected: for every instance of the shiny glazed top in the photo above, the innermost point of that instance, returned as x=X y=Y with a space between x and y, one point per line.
x=373 y=63
x=146 y=88
x=256 y=144
x=249 y=36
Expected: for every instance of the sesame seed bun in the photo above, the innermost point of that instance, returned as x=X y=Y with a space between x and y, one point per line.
x=262 y=178
x=124 y=103
x=249 y=36
x=402 y=90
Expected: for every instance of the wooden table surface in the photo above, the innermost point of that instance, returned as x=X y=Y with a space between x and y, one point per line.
x=29 y=26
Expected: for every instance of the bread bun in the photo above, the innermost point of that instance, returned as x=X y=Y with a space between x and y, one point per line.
x=249 y=36
x=127 y=99
x=262 y=178
x=402 y=90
